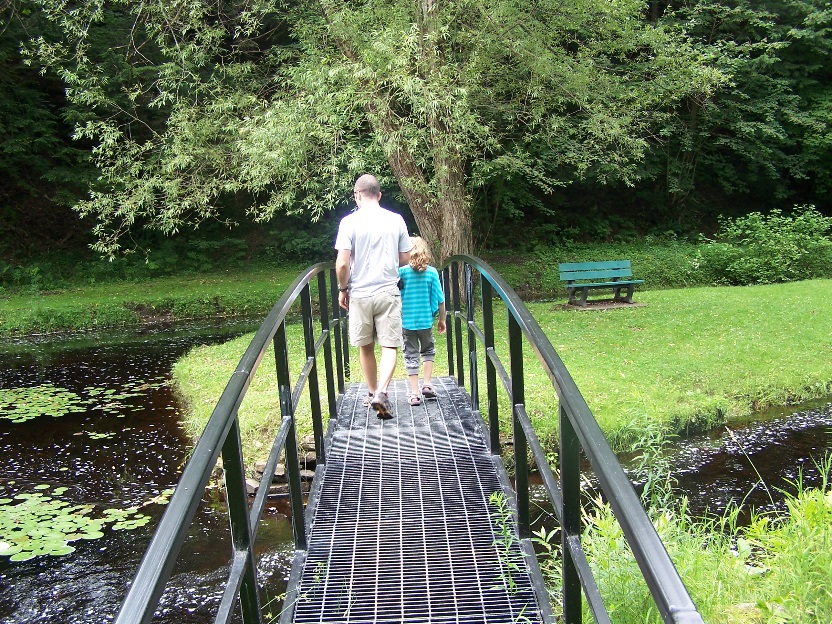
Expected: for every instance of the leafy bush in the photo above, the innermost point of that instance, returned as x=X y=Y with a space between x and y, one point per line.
x=766 y=249
x=297 y=244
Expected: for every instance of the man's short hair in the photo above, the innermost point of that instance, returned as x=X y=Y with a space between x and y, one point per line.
x=368 y=184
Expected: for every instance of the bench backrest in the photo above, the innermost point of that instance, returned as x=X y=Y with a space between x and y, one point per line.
x=570 y=271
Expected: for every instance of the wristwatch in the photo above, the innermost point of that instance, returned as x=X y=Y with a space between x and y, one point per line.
x=343 y=289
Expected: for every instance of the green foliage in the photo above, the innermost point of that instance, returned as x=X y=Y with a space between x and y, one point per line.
x=39 y=524
x=765 y=249
x=797 y=556
x=42 y=173
x=774 y=570
x=506 y=542
x=285 y=104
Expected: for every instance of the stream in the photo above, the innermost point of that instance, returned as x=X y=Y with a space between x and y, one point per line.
x=121 y=446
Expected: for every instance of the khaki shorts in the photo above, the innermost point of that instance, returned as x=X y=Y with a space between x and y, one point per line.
x=377 y=318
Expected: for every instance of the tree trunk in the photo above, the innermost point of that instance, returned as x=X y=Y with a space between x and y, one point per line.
x=444 y=221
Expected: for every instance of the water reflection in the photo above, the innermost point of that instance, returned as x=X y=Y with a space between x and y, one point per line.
x=118 y=453
x=754 y=464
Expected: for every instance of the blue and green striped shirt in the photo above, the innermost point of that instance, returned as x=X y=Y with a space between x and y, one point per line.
x=421 y=296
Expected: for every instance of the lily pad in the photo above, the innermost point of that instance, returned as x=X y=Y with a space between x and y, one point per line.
x=21 y=404
x=39 y=524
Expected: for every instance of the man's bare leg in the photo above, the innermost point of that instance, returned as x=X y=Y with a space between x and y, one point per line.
x=387 y=366
x=367 y=359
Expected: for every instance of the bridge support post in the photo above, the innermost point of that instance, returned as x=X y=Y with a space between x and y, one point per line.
x=232 y=461
x=472 y=338
x=518 y=398
x=314 y=389
x=449 y=319
x=342 y=350
x=326 y=327
x=290 y=451
x=570 y=475
x=457 y=322
x=490 y=369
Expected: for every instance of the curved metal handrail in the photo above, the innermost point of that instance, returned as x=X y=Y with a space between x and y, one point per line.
x=578 y=431
x=221 y=435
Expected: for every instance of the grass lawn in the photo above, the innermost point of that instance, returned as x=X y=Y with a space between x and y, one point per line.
x=692 y=358
x=124 y=304
x=688 y=360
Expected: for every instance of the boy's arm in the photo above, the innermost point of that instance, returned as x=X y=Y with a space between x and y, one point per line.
x=440 y=325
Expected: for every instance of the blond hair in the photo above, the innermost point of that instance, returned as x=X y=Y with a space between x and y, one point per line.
x=419 y=254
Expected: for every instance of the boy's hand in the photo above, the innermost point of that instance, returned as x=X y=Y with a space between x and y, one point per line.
x=440 y=326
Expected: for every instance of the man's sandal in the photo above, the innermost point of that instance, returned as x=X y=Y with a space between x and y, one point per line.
x=367 y=399
x=428 y=392
x=414 y=399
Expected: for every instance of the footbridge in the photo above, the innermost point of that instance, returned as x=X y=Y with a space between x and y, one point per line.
x=413 y=518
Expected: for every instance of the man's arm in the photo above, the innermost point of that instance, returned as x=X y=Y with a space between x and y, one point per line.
x=404 y=258
x=342 y=272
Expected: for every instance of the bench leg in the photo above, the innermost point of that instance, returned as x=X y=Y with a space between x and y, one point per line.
x=629 y=298
x=584 y=292
x=616 y=293
x=571 y=292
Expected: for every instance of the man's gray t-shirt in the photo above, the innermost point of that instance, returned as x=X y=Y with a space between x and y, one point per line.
x=375 y=237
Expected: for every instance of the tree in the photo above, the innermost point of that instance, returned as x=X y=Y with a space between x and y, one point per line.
x=286 y=103
x=762 y=135
x=41 y=172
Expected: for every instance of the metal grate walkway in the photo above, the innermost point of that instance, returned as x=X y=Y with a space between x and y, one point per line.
x=403 y=530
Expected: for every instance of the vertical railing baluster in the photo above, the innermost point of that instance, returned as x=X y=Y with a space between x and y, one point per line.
x=570 y=476
x=337 y=323
x=457 y=320
x=235 y=491
x=472 y=337
x=332 y=402
x=312 y=380
x=290 y=451
x=449 y=318
x=490 y=369
x=521 y=461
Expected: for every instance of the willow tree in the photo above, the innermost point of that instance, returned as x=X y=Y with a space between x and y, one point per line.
x=285 y=103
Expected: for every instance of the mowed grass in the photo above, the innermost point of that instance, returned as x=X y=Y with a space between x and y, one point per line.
x=126 y=304
x=692 y=358
x=687 y=360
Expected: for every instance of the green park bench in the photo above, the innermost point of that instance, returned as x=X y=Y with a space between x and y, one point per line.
x=614 y=274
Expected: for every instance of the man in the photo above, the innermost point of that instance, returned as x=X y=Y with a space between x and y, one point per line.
x=372 y=244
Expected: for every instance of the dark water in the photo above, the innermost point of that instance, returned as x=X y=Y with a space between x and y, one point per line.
x=140 y=452
x=752 y=465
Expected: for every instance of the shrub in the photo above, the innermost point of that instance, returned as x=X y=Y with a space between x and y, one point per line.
x=765 y=249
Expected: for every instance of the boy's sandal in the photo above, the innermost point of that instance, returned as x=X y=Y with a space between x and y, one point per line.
x=428 y=392
x=414 y=399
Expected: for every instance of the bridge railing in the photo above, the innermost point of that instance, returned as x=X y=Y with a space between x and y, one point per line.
x=222 y=436
x=578 y=431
